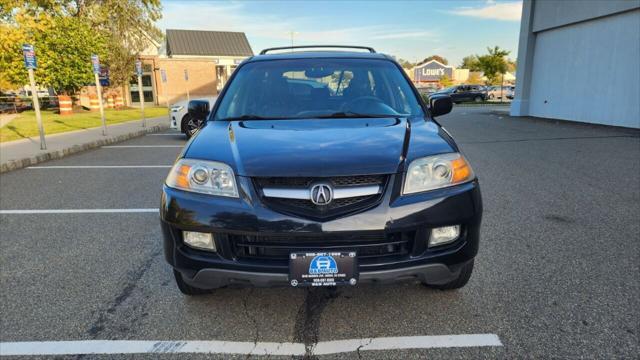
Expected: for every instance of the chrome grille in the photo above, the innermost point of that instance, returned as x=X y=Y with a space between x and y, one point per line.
x=336 y=208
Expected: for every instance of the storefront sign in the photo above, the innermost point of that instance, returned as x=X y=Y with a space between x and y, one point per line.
x=432 y=71
x=29 y=56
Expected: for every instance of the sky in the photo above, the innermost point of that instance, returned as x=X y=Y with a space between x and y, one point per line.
x=410 y=30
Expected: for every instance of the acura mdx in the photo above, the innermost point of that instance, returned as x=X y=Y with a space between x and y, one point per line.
x=320 y=166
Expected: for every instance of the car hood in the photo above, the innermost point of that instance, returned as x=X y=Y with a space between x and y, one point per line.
x=313 y=147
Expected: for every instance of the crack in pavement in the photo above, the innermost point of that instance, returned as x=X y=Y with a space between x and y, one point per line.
x=247 y=313
x=133 y=277
x=307 y=324
x=361 y=346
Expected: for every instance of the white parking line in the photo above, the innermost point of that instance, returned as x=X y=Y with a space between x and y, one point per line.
x=103 y=347
x=140 y=146
x=77 y=211
x=99 y=167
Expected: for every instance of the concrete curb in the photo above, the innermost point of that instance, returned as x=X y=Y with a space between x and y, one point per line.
x=77 y=148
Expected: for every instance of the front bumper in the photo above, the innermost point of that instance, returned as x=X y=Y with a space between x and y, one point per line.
x=396 y=216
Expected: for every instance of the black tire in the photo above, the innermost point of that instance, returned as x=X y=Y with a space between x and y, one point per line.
x=477 y=99
x=460 y=281
x=186 y=288
x=189 y=126
x=491 y=97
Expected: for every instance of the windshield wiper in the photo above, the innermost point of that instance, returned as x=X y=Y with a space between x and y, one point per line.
x=351 y=114
x=245 y=117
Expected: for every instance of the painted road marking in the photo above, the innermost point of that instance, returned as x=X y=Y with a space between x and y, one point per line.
x=103 y=347
x=99 y=167
x=140 y=146
x=77 y=211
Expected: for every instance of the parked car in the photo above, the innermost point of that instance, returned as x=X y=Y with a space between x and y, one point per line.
x=497 y=92
x=181 y=120
x=347 y=181
x=463 y=93
x=511 y=90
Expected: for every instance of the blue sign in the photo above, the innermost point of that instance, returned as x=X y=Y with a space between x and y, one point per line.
x=323 y=264
x=95 y=62
x=29 y=56
x=139 y=67
x=163 y=75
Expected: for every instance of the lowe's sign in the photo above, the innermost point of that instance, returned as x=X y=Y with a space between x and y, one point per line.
x=432 y=71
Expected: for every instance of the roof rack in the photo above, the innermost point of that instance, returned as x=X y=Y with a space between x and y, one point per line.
x=370 y=49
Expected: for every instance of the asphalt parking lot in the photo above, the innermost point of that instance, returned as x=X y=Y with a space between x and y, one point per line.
x=557 y=274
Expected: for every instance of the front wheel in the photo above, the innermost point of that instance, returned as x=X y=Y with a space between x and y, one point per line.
x=457 y=283
x=477 y=99
x=189 y=126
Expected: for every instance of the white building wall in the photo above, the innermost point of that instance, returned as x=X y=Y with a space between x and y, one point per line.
x=589 y=72
x=580 y=61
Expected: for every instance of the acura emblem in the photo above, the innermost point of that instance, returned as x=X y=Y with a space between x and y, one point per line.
x=321 y=194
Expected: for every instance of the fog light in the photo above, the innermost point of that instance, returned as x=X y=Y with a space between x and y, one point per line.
x=199 y=240
x=444 y=235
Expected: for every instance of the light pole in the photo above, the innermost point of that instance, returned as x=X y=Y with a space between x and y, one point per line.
x=140 y=92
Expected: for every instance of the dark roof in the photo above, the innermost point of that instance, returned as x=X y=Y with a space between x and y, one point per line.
x=207 y=43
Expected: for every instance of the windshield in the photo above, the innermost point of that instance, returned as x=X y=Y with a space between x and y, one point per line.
x=318 y=88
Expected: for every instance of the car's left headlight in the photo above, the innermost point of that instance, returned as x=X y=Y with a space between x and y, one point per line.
x=435 y=172
x=205 y=177
x=176 y=108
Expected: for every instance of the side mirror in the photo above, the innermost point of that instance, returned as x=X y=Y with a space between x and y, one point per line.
x=440 y=104
x=198 y=109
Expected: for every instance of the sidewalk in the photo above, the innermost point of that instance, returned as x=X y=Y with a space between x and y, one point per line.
x=22 y=153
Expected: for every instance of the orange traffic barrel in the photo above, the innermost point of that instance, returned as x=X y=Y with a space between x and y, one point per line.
x=94 y=104
x=66 y=105
x=110 y=102
x=119 y=103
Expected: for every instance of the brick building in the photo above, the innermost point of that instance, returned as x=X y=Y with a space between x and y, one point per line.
x=189 y=63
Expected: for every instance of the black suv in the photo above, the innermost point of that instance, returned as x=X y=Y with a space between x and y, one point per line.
x=320 y=168
x=462 y=93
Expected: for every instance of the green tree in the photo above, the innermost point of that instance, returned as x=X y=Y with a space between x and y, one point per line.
x=437 y=58
x=445 y=81
x=129 y=27
x=66 y=32
x=405 y=63
x=493 y=64
x=63 y=46
x=470 y=62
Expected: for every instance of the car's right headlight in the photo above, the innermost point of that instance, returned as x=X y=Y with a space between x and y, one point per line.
x=205 y=177
x=176 y=108
x=435 y=172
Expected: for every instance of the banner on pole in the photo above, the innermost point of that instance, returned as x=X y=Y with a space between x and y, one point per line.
x=29 y=53
x=95 y=62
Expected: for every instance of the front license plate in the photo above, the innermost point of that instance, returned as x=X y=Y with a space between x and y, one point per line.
x=323 y=268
